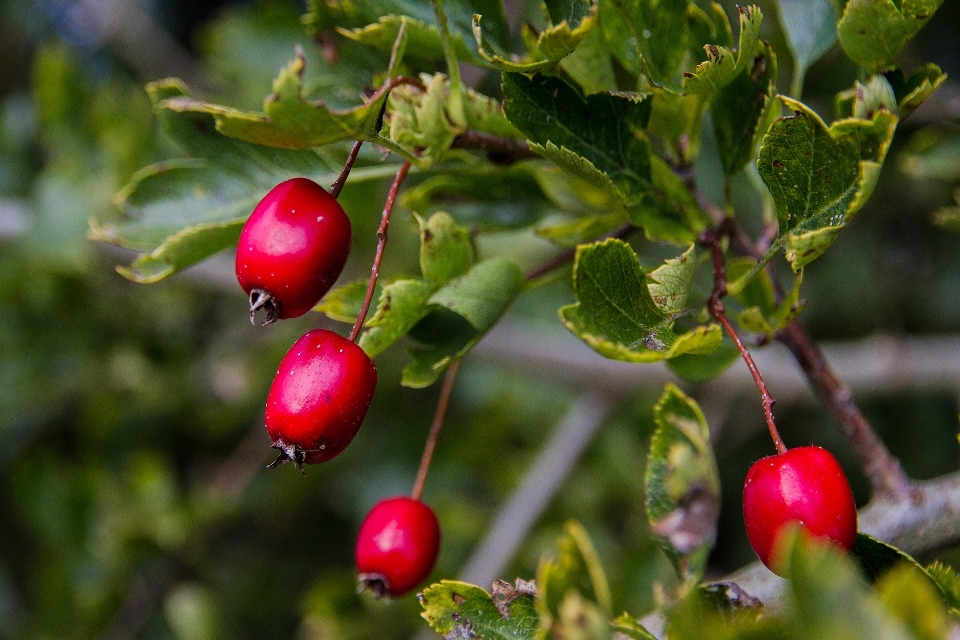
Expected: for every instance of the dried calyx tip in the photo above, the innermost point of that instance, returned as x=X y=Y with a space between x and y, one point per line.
x=376 y=583
x=260 y=299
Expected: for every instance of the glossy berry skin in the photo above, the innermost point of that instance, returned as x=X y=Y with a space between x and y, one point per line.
x=397 y=546
x=319 y=397
x=292 y=249
x=804 y=485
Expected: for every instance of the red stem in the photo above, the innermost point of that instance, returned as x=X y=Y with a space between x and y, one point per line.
x=341 y=180
x=438 y=417
x=715 y=306
x=381 y=244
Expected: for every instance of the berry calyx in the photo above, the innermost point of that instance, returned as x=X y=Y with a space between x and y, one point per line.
x=319 y=397
x=397 y=546
x=292 y=249
x=805 y=486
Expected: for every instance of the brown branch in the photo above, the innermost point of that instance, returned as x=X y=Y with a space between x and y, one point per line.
x=884 y=471
x=500 y=150
x=442 y=402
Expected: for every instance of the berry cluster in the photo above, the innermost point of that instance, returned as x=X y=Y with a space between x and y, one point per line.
x=291 y=251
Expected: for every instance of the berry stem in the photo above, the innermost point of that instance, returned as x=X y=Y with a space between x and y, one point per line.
x=381 y=244
x=715 y=306
x=435 y=428
x=341 y=180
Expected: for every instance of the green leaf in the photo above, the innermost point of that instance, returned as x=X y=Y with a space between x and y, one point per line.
x=460 y=610
x=828 y=596
x=723 y=65
x=761 y=314
x=545 y=49
x=913 y=91
x=738 y=109
x=628 y=626
x=422 y=38
x=682 y=484
x=591 y=64
x=811 y=30
x=948 y=581
x=700 y=368
x=677 y=119
x=668 y=211
x=599 y=137
x=581 y=230
x=874 y=32
x=402 y=304
x=470 y=304
x=420 y=120
x=576 y=567
x=343 y=303
x=670 y=283
x=445 y=250
x=911 y=596
x=722 y=611
x=182 y=249
x=288 y=119
x=615 y=313
x=648 y=37
x=819 y=176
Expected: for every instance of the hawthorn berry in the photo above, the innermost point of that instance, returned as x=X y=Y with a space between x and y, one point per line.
x=292 y=249
x=806 y=486
x=397 y=546
x=318 y=398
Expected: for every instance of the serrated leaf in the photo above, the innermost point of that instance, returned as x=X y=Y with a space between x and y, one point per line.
x=738 y=109
x=819 y=176
x=912 y=597
x=420 y=119
x=670 y=283
x=445 y=250
x=591 y=64
x=874 y=32
x=677 y=119
x=343 y=302
x=460 y=610
x=668 y=211
x=948 y=581
x=460 y=313
x=723 y=65
x=876 y=557
x=828 y=597
x=576 y=567
x=181 y=250
x=913 y=91
x=401 y=306
x=422 y=38
x=599 y=137
x=682 y=484
x=811 y=30
x=545 y=49
x=648 y=37
x=615 y=314
x=288 y=120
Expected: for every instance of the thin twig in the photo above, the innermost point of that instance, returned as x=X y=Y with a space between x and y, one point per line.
x=442 y=402
x=500 y=149
x=341 y=180
x=715 y=306
x=381 y=244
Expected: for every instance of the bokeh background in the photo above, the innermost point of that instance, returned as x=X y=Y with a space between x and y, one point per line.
x=134 y=502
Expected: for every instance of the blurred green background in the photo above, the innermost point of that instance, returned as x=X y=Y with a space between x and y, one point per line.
x=135 y=502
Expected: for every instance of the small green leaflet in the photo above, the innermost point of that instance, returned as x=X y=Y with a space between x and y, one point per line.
x=874 y=32
x=648 y=37
x=615 y=313
x=820 y=176
x=683 y=485
x=545 y=49
x=723 y=65
x=811 y=30
x=669 y=284
x=576 y=567
x=461 y=610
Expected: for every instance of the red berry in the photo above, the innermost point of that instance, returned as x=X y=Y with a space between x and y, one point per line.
x=319 y=397
x=397 y=546
x=806 y=486
x=292 y=249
